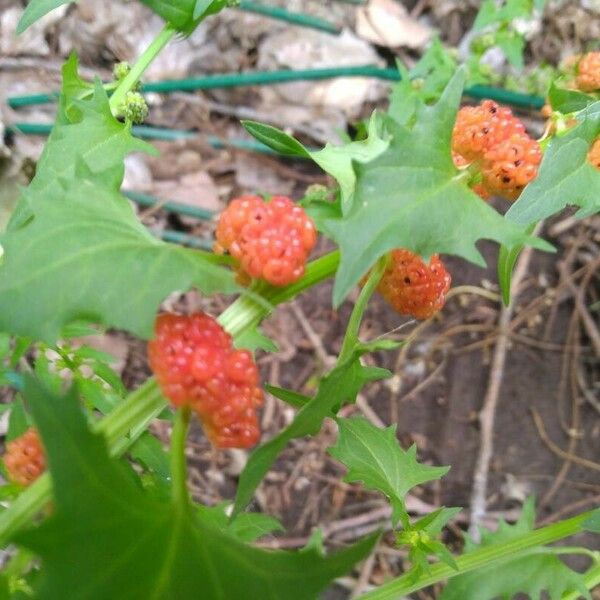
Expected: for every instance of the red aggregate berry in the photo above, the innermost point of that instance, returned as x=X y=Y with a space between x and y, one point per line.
x=24 y=458
x=479 y=128
x=594 y=154
x=271 y=240
x=196 y=365
x=509 y=166
x=588 y=72
x=413 y=287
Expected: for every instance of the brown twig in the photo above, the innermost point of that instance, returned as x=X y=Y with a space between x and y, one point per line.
x=488 y=412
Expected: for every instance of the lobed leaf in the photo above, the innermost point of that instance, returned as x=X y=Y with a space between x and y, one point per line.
x=411 y=196
x=75 y=244
x=374 y=457
x=102 y=517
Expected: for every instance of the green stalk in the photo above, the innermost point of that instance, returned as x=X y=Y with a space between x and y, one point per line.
x=351 y=337
x=482 y=557
x=179 y=491
x=130 y=81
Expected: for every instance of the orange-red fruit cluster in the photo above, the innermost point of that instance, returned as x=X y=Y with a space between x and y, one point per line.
x=24 y=458
x=588 y=72
x=271 y=240
x=413 y=287
x=492 y=138
x=479 y=128
x=508 y=167
x=196 y=366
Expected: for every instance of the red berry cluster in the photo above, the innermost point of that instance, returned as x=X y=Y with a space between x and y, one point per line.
x=588 y=72
x=196 y=366
x=479 y=128
x=489 y=137
x=271 y=240
x=413 y=287
x=24 y=458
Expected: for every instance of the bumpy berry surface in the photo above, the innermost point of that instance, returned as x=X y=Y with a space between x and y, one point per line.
x=479 y=128
x=271 y=240
x=594 y=154
x=508 y=167
x=196 y=365
x=413 y=287
x=24 y=458
x=588 y=72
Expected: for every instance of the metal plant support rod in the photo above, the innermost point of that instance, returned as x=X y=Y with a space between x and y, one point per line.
x=170 y=205
x=281 y=14
x=227 y=80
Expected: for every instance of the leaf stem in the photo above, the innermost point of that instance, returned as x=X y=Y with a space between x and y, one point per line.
x=179 y=488
x=481 y=557
x=353 y=328
x=129 y=82
x=591 y=578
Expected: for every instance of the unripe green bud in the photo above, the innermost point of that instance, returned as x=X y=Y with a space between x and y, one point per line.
x=134 y=109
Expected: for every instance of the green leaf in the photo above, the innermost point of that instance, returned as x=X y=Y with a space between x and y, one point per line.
x=246 y=527
x=568 y=101
x=289 y=396
x=276 y=139
x=102 y=517
x=36 y=9
x=507 y=259
x=253 y=339
x=531 y=574
x=337 y=387
x=413 y=197
x=18 y=421
x=593 y=523
x=185 y=15
x=339 y=161
x=565 y=176
x=335 y=160
x=76 y=245
x=150 y=452
x=375 y=457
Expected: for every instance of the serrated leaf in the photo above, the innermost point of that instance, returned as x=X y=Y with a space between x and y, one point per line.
x=374 y=457
x=512 y=45
x=339 y=386
x=36 y=9
x=335 y=160
x=102 y=517
x=76 y=245
x=530 y=574
x=413 y=197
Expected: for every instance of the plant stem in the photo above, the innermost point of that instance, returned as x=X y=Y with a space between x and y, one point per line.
x=481 y=557
x=129 y=82
x=353 y=328
x=179 y=489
